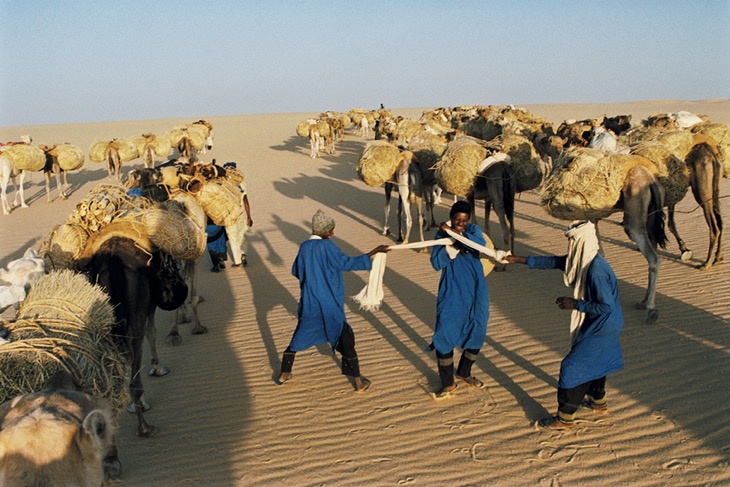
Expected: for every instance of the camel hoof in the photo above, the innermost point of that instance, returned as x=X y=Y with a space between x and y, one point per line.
x=148 y=432
x=200 y=330
x=652 y=317
x=159 y=371
x=686 y=256
x=174 y=339
x=640 y=306
x=131 y=409
x=112 y=468
x=704 y=267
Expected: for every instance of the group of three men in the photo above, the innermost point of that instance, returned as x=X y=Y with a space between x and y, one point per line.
x=463 y=310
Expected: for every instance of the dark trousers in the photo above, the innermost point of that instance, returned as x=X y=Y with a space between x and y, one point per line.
x=346 y=347
x=569 y=400
x=446 y=365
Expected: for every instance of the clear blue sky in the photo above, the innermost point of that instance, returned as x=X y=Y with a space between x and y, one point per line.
x=69 y=61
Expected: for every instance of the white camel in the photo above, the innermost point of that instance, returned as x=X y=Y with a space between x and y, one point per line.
x=8 y=172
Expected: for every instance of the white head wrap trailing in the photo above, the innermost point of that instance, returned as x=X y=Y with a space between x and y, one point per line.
x=582 y=249
x=372 y=294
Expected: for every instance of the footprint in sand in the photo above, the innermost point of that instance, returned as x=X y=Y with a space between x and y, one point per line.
x=407 y=480
x=676 y=463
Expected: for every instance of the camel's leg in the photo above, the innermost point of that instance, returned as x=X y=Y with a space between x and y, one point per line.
x=419 y=208
x=20 y=191
x=47 y=177
x=404 y=193
x=635 y=228
x=428 y=199
x=198 y=329
x=388 y=191
x=156 y=370
x=685 y=253
x=3 y=193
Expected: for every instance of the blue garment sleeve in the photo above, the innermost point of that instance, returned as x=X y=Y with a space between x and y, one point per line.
x=343 y=262
x=546 y=262
x=600 y=287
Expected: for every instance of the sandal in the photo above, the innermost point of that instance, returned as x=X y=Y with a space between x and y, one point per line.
x=600 y=409
x=554 y=423
x=280 y=382
x=472 y=381
x=364 y=385
x=443 y=394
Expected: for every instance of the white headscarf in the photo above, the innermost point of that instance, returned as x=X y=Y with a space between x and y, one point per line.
x=582 y=249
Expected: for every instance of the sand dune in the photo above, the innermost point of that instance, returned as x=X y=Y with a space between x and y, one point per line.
x=223 y=422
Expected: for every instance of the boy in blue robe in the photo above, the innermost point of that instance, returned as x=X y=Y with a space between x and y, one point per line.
x=462 y=306
x=321 y=312
x=596 y=324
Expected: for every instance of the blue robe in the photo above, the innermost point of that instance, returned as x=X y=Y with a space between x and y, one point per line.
x=462 y=306
x=596 y=351
x=214 y=244
x=319 y=266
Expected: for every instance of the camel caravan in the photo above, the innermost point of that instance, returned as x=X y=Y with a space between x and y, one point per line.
x=84 y=302
x=19 y=158
x=583 y=170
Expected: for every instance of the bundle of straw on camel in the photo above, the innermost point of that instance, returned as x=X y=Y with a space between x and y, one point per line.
x=64 y=323
x=160 y=145
x=585 y=184
x=170 y=228
x=197 y=136
x=63 y=246
x=720 y=133
x=103 y=204
x=26 y=157
x=378 y=163
x=407 y=128
x=357 y=114
x=69 y=156
x=525 y=160
x=678 y=141
x=639 y=135
x=303 y=127
x=673 y=173
x=124 y=147
x=234 y=175
x=221 y=201
x=459 y=163
x=425 y=140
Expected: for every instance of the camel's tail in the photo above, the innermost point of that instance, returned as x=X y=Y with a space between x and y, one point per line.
x=656 y=217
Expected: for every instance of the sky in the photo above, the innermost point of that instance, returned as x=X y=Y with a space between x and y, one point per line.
x=73 y=61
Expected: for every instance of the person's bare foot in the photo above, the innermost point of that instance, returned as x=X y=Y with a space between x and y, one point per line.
x=362 y=384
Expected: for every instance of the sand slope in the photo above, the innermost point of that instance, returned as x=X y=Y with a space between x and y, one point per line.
x=223 y=422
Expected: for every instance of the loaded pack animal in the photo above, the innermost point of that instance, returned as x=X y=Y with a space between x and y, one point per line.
x=52 y=166
x=641 y=200
x=320 y=138
x=186 y=147
x=57 y=436
x=150 y=181
x=414 y=187
x=8 y=172
x=705 y=172
x=495 y=184
x=138 y=278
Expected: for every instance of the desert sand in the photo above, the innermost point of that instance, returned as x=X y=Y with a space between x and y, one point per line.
x=223 y=422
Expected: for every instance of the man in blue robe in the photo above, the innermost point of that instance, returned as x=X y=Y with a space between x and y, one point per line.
x=462 y=306
x=596 y=324
x=321 y=312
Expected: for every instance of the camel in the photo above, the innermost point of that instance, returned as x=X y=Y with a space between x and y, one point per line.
x=189 y=146
x=150 y=147
x=8 y=172
x=413 y=188
x=496 y=185
x=321 y=137
x=57 y=436
x=137 y=278
x=705 y=172
x=52 y=166
x=149 y=181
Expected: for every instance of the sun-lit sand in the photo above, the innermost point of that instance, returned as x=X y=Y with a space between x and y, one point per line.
x=222 y=421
